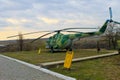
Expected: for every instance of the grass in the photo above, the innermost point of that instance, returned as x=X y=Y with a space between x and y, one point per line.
x=100 y=69
x=119 y=43
x=45 y=56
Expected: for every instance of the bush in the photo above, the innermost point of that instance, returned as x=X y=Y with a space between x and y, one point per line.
x=27 y=46
x=88 y=43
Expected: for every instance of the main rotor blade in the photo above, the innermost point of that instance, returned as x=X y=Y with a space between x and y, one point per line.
x=42 y=36
x=27 y=33
x=73 y=31
x=72 y=28
x=49 y=31
x=59 y=31
x=110 y=11
x=116 y=22
x=78 y=28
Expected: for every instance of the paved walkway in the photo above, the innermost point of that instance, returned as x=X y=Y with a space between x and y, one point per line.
x=14 y=70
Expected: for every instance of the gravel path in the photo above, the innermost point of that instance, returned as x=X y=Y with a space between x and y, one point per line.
x=12 y=70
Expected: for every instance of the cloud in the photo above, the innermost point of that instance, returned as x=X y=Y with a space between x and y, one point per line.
x=37 y=15
x=12 y=21
x=11 y=5
x=17 y=21
x=49 y=20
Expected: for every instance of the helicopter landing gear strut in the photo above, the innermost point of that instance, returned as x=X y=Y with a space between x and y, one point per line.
x=69 y=49
x=52 y=50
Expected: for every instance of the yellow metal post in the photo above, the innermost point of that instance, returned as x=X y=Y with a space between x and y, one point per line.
x=39 y=51
x=68 y=59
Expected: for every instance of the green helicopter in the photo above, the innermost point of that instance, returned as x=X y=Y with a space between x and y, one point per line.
x=62 y=41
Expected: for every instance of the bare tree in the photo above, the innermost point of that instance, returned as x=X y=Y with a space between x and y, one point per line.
x=112 y=34
x=20 y=42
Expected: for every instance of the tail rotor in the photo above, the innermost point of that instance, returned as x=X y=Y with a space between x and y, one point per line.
x=110 y=12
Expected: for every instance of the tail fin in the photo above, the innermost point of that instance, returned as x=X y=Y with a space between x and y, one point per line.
x=103 y=28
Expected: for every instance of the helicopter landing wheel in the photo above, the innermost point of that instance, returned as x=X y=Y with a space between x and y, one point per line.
x=52 y=50
x=67 y=49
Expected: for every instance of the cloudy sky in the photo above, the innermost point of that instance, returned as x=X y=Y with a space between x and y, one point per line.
x=38 y=15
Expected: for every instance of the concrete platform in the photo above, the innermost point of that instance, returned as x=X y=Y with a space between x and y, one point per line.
x=49 y=64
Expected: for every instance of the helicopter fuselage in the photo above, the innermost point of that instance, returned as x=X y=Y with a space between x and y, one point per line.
x=61 y=41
